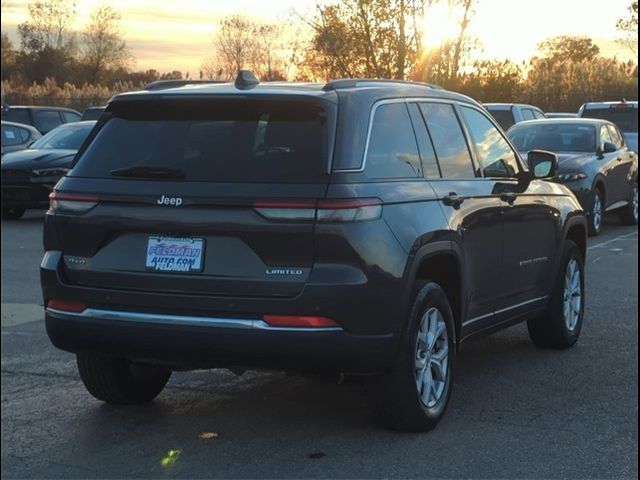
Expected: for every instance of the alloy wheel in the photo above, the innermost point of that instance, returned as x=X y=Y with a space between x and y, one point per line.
x=596 y=212
x=572 y=297
x=432 y=357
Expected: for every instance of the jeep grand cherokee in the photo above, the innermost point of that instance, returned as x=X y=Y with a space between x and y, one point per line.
x=367 y=227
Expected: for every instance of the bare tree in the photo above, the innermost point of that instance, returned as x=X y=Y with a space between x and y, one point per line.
x=103 y=47
x=49 y=27
x=629 y=27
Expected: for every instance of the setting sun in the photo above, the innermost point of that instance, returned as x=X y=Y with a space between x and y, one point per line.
x=439 y=25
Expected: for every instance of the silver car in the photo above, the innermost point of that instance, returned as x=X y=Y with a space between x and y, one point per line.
x=17 y=136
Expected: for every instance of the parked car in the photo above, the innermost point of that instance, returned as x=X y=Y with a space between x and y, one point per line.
x=361 y=226
x=624 y=114
x=16 y=136
x=560 y=115
x=508 y=114
x=92 y=113
x=594 y=162
x=44 y=119
x=28 y=176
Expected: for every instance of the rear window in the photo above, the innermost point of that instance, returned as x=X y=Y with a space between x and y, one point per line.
x=504 y=118
x=230 y=140
x=625 y=118
x=17 y=115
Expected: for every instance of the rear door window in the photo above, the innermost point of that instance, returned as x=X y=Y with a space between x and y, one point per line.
x=392 y=151
x=70 y=117
x=46 y=120
x=230 y=140
x=538 y=114
x=425 y=144
x=17 y=115
x=527 y=114
x=448 y=139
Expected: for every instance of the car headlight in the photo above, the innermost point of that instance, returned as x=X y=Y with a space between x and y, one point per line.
x=50 y=172
x=571 y=176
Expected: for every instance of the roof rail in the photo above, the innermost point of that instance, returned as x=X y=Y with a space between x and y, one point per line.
x=162 y=84
x=360 y=82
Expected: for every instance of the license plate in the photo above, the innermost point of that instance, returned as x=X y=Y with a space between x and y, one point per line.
x=175 y=254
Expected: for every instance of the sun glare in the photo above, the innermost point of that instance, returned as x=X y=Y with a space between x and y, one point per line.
x=439 y=25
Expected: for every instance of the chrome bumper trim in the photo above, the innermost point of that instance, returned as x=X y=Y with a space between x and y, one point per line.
x=189 y=320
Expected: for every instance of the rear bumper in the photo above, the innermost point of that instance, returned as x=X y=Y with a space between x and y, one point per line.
x=202 y=346
x=147 y=327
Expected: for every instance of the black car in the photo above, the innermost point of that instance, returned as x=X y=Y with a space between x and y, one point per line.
x=44 y=119
x=28 y=176
x=365 y=227
x=594 y=161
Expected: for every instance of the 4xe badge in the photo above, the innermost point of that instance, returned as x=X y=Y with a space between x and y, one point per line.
x=173 y=201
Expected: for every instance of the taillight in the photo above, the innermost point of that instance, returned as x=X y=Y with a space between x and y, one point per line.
x=326 y=210
x=71 y=203
x=66 y=306
x=349 y=210
x=292 y=210
x=299 y=321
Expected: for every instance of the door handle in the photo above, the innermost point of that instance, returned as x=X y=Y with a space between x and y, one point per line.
x=508 y=197
x=453 y=200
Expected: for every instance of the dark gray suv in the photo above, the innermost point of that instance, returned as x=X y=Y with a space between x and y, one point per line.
x=362 y=226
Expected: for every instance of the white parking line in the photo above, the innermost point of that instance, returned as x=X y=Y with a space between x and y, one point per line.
x=620 y=237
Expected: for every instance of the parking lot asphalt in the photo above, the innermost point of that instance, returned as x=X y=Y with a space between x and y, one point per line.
x=516 y=411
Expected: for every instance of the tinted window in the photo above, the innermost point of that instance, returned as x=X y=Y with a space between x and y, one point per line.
x=625 y=118
x=392 y=151
x=556 y=137
x=425 y=145
x=92 y=113
x=25 y=134
x=527 y=114
x=66 y=137
x=496 y=157
x=18 y=115
x=10 y=136
x=504 y=118
x=448 y=140
x=70 y=117
x=605 y=136
x=46 y=120
x=616 y=136
x=216 y=141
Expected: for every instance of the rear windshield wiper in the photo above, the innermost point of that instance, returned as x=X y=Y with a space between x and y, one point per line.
x=148 y=172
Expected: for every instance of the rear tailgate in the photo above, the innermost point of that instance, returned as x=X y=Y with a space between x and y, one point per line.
x=212 y=198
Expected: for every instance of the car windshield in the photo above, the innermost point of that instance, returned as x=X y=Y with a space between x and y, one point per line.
x=626 y=118
x=65 y=137
x=565 y=137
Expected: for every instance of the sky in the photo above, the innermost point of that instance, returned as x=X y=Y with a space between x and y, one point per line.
x=178 y=35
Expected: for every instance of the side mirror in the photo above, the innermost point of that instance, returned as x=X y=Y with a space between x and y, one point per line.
x=608 y=147
x=542 y=164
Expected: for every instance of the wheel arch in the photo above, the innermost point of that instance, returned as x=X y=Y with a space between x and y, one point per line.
x=441 y=262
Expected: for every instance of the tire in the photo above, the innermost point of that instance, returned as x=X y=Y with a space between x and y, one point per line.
x=559 y=327
x=629 y=214
x=596 y=213
x=119 y=381
x=399 y=402
x=9 y=213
